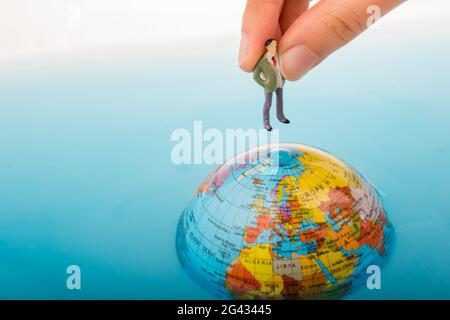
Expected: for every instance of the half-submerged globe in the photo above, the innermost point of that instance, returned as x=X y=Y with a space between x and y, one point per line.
x=283 y=222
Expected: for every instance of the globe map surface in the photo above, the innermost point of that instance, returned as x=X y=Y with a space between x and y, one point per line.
x=283 y=222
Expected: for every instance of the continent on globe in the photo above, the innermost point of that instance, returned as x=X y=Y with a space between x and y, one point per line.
x=297 y=223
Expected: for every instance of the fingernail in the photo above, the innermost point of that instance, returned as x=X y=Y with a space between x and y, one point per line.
x=243 y=48
x=297 y=61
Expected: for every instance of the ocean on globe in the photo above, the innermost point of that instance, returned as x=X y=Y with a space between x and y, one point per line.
x=283 y=221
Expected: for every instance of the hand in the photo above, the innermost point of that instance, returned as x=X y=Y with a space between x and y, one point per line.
x=306 y=35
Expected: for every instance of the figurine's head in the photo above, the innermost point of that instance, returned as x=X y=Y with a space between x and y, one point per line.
x=271 y=45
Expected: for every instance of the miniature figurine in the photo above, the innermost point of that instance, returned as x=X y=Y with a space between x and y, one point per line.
x=267 y=74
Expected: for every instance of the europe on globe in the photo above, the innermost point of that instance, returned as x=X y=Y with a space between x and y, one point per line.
x=283 y=221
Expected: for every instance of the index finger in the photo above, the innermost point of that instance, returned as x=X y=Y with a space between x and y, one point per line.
x=259 y=23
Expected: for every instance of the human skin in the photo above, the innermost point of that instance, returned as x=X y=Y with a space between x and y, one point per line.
x=306 y=36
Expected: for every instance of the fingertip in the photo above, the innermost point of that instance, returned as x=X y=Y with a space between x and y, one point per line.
x=249 y=54
x=244 y=50
x=259 y=23
x=297 y=62
x=247 y=63
x=245 y=67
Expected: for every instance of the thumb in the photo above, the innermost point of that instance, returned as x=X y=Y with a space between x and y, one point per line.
x=326 y=27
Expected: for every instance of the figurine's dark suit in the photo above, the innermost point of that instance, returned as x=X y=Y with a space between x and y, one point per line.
x=267 y=73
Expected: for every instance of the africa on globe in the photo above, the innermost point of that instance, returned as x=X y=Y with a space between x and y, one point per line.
x=283 y=221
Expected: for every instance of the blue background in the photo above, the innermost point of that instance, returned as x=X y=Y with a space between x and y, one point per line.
x=86 y=176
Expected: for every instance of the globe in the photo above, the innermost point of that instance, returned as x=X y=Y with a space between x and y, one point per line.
x=283 y=221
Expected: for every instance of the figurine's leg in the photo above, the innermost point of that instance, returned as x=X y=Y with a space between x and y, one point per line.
x=280 y=114
x=266 y=110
